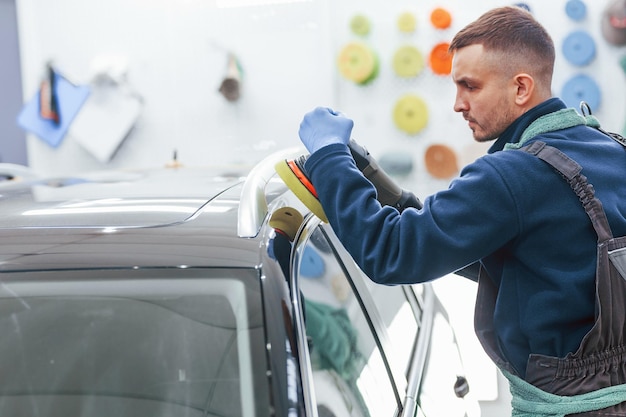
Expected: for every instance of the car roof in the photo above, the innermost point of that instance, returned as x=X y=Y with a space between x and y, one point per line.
x=183 y=217
x=112 y=199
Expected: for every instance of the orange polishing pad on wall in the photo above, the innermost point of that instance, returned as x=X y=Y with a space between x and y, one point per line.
x=440 y=18
x=440 y=59
x=441 y=161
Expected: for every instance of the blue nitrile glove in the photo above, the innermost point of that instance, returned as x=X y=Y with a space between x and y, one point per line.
x=322 y=127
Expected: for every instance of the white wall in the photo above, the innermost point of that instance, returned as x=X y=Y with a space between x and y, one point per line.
x=176 y=57
x=371 y=106
x=176 y=52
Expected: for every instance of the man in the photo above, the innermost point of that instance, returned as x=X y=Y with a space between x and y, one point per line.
x=511 y=211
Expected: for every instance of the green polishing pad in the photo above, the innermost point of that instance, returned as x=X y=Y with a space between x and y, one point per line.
x=294 y=177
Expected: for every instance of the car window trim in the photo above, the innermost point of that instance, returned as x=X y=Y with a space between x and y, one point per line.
x=306 y=377
x=422 y=347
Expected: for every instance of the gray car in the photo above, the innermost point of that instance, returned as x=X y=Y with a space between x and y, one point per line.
x=177 y=292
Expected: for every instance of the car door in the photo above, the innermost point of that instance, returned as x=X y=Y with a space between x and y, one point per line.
x=344 y=336
x=369 y=347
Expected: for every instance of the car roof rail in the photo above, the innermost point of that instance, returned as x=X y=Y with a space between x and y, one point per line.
x=253 y=202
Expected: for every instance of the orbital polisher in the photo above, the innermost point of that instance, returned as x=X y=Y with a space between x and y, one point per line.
x=388 y=192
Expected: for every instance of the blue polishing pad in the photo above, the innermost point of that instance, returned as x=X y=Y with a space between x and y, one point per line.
x=579 y=48
x=312 y=264
x=581 y=88
x=576 y=9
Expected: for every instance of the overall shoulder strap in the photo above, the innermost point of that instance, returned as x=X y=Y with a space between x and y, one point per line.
x=586 y=112
x=571 y=171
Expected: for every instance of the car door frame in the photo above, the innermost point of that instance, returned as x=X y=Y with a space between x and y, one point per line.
x=405 y=389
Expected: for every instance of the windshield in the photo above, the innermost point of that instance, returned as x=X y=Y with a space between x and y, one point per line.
x=97 y=343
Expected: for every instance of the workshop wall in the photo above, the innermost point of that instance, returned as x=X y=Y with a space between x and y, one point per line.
x=445 y=139
x=174 y=55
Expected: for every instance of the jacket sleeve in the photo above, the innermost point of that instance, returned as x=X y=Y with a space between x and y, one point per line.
x=456 y=227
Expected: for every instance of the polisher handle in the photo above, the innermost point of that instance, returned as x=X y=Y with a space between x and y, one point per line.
x=389 y=193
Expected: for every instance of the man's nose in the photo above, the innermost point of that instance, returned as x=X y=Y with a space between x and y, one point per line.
x=460 y=104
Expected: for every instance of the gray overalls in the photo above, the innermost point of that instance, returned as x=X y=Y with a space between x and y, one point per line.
x=594 y=377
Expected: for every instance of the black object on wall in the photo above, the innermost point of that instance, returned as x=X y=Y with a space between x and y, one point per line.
x=12 y=138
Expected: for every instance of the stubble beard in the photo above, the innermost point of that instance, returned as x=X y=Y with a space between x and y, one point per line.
x=495 y=128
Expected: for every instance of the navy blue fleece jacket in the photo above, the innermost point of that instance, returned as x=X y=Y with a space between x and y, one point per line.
x=509 y=210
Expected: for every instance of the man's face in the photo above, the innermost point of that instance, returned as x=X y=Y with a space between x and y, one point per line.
x=485 y=94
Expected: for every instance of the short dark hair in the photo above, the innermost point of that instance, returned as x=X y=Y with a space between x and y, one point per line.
x=514 y=32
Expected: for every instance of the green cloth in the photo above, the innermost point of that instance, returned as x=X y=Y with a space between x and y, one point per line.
x=530 y=401
x=558 y=120
x=334 y=339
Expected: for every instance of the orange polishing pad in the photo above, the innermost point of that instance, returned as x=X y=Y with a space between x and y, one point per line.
x=440 y=18
x=441 y=161
x=441 y=59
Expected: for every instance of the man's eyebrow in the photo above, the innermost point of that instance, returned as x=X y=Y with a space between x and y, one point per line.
x=462 y=80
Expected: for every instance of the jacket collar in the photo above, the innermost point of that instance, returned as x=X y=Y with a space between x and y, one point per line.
x=514 y=132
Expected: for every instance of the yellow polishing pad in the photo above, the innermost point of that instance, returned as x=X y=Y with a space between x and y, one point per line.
x=287 y=219
x=360 y=25
x=408 y=61
x=407 y=22
x=357 y=62
x=300 y=185
x=410 y=114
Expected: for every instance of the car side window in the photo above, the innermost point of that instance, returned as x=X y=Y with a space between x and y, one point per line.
x=443 y=387
x=400 y=312
x=350 y=377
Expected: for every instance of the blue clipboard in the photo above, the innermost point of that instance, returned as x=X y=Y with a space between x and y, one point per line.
x=70 y=99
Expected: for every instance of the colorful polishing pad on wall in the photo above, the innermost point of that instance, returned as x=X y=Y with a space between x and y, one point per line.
x=576 y=9
x=579 y=88
x=408 y=61
x=407 y=22
x=396 y=163
x=613 y=23
x=357 y=62
x=441 y=161
x=440 y=18
x=440 y=59
x=579 y=48
x=360 y=25
x=410 y=114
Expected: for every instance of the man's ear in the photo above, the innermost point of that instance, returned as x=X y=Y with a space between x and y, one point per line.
x=525 y=85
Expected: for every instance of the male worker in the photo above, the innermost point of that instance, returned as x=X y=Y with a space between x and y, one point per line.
x=511 y=211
